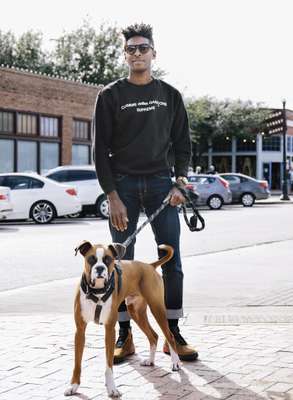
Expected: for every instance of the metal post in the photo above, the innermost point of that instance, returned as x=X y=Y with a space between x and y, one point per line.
x=284 y=195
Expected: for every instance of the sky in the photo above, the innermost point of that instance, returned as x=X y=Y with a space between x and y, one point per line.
x=235 y=49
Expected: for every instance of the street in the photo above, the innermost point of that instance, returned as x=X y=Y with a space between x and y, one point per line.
x=242 y=254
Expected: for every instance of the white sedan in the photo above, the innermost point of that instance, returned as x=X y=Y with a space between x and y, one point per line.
x=5 y=203
x=39 y=198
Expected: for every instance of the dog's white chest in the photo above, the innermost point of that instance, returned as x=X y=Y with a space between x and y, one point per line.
x=88 y=309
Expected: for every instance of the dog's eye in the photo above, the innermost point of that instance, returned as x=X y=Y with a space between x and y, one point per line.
x=92 y=260
x=107 y=260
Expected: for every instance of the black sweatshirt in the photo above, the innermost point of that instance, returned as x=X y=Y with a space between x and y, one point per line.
x=140 y=130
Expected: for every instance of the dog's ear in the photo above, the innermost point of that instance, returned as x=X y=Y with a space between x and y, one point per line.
x=83 y=247
x=118 y=250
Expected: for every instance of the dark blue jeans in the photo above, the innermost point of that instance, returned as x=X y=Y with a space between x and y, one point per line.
x=149 y=191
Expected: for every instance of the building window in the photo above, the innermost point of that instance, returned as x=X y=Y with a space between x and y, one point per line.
x=222 y=144
x=246 y=165
x=246 y=144
x=272 y=143
x=26 y=156
x=6 y=155
x=80 y=154
x=49 y=127
x=289 y=144
x=49 y=156
x=6 y=122
x=222 y=163
x=26 y=124
x=81 y=130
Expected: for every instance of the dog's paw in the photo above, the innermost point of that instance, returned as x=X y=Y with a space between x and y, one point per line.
x=176 y=366
x=71 y=390
x=147 y=363
x=114 y=393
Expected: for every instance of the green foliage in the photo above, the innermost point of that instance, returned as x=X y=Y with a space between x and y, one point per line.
x=213 y=120
x=209 y=118
x=86 y=54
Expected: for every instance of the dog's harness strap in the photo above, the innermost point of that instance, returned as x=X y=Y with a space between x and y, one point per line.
x=97 y=313
x=119 y=274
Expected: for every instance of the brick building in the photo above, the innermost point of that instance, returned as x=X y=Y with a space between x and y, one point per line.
x=44 y=121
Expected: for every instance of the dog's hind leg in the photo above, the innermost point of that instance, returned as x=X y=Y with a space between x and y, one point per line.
x=109 y=345
x=137 y=310
x=79 y=342
x=159 y=312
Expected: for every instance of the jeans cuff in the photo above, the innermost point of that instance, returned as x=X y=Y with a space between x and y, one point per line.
x=175 y=313
x=123 y=316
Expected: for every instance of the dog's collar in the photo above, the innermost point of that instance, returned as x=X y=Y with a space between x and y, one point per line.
x=93 y=293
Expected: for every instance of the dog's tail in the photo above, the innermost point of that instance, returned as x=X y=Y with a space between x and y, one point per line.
x=166 y=258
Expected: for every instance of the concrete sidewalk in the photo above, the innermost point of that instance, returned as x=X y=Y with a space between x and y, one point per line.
x=275 y=199
x=237 y=361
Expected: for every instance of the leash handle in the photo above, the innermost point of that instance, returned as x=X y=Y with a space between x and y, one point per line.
x=192 y=223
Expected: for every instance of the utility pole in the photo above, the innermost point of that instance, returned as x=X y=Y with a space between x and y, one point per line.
x=284 y=195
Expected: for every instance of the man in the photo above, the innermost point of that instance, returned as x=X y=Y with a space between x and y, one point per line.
x=141 y=132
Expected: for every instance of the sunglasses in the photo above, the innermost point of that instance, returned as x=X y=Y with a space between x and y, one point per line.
x=142 y=48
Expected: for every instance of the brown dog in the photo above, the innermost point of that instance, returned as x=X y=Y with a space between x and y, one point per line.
x=104 y=285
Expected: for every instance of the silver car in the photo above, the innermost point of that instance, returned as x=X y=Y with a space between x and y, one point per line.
x=246 y=190
x=212 y=190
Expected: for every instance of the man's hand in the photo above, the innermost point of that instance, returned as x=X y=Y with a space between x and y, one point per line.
x=118 y=212
x=176 y=197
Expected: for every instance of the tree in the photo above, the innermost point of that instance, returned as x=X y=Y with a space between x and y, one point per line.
x=92 y=56
x=212 y=120
x=7 y=45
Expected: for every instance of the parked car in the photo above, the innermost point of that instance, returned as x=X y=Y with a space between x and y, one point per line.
x=5 y=203
x=212 y=190
x=91 y=195
x=245 y=189
x=39 y=198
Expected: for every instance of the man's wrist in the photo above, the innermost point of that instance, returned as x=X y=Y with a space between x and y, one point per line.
x=113 y=195
x=182 y=180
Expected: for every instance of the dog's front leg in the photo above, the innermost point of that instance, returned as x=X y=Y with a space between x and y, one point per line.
x=109 y=345
x=79 y=342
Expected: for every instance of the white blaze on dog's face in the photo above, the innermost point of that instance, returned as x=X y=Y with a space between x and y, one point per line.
x=98 y=263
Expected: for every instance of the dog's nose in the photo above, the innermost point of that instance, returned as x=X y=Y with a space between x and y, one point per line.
x=99 y=270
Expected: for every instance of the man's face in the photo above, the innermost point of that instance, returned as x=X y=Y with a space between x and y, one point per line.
x=139 y=60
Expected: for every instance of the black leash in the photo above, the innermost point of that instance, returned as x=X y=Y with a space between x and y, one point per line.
x=192 y=223
x=191 y=199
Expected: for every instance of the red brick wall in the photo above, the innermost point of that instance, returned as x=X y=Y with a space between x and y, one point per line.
x=28 y=92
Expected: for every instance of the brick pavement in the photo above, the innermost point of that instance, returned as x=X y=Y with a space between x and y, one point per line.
x=237 y=362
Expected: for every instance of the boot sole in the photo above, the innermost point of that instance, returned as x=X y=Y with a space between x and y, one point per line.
x=187 y=357
x=119 y=360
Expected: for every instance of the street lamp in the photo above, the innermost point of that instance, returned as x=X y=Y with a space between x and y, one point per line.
x=284 y=195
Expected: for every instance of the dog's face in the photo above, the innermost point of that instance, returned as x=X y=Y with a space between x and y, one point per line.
x=99 y=262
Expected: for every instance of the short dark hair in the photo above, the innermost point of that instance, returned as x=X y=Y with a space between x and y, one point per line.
x=141 y=29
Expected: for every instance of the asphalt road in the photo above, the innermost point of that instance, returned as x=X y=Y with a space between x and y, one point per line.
x=242 y=254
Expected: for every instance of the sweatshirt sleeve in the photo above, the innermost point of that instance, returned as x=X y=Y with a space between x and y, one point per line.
x=103 y=130
x=180 y=137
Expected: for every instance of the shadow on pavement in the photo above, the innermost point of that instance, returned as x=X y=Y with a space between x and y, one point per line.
x=196 y=381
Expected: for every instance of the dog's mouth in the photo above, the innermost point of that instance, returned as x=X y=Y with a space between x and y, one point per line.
x=98 y=283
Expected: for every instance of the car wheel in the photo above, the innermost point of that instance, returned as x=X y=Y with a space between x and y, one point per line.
x=247 y=199
x=102 y=207
x=215 y=202
x=43 y=212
